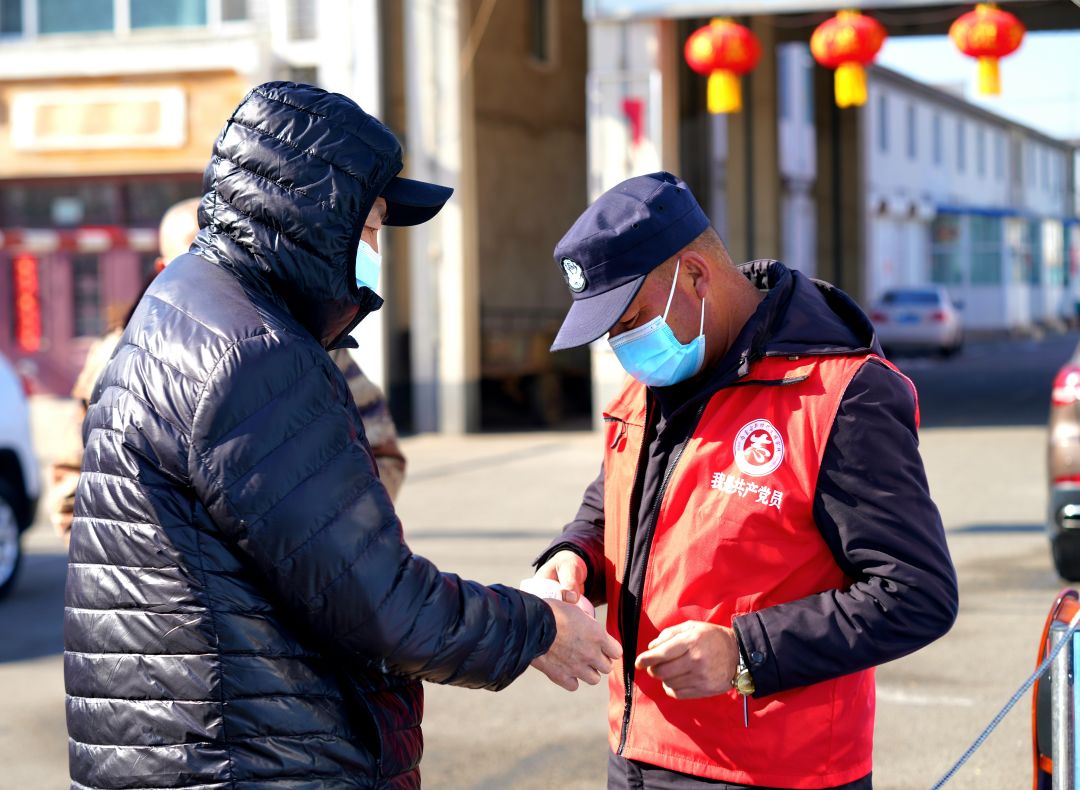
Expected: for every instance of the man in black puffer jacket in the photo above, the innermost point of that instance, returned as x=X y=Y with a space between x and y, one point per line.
x=242 y=610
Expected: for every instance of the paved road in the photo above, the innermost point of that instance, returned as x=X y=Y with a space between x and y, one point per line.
x=484 y=506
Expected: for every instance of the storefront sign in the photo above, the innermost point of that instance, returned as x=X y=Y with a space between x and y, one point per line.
x=98 y=119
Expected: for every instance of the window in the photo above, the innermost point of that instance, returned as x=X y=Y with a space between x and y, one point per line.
x=138 y=202
x=883 y=124
x=88 y=16
x=999 y=155
x=936 y=138
x=960 y=152
x=1034 y=261
x=906 y=297
x=145 y=201
x=783 y=84
x=809 y=97
x=302 y=22
x=42 y=205
x=912 y=143
x=87 y=295
x=75 y=16
x=1045 y=168
x=234 y=10
x=1052 y=247
x=11 y=17
x=980 y=150
x=308 y=75
x=985 y=250
x=167 y=13
x=540 y=31
x=1071 y=252
x=946 y=264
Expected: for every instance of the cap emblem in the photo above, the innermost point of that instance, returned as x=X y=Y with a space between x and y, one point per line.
x=575 y=277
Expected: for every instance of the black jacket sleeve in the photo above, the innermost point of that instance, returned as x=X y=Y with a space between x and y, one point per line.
x=874 y=510
x=585 y=537
x=279 y=461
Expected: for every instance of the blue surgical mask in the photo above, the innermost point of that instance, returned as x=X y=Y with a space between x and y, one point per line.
x=368 y=266
x=654 y=356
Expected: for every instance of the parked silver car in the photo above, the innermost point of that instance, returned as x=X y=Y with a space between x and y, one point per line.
x=918 y=319
x=20 y=484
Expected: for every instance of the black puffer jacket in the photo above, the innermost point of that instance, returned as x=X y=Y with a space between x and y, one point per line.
x=242 y=610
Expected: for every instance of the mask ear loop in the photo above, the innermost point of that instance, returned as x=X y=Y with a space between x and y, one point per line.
x=671 y=294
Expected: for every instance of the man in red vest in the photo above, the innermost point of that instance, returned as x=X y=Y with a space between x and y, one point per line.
x=761 y=529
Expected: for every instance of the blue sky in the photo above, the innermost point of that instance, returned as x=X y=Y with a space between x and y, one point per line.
x=1039 y=82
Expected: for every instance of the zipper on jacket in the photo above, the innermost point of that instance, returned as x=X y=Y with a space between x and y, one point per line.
x=630 y=533
x=654 y=517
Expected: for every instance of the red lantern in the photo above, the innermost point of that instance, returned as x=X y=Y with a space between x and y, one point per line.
x=847 y=42
x=724 y=51
x=987 y=33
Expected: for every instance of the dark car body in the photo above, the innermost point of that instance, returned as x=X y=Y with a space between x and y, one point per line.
x=1063 y=470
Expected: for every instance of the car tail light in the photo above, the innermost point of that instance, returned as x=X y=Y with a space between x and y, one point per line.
x=1066 y=386
x=879 y=318
x=1067 y=479
x=938 y=316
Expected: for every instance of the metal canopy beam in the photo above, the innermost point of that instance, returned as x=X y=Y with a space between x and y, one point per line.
x=795 y=19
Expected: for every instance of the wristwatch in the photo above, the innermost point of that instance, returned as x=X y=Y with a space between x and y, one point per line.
x=743 y=682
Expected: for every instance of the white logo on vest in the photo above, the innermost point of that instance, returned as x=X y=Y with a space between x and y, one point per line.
x=733 y=484
x=759 y=448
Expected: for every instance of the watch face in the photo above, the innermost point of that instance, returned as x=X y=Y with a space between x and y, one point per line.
x=744 y=684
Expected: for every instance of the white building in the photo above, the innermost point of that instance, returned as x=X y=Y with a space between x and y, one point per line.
x=798 y=157
x=964 y=198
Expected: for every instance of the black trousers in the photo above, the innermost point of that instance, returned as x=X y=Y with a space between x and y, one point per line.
x=626 y=774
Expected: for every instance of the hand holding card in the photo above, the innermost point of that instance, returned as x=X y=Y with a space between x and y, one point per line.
x=549 y=588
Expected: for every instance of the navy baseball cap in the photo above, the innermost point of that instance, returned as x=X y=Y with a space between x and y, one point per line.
x=607 y=254
x=411 y=202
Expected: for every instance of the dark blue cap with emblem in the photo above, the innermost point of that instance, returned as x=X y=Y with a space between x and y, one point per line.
x=607 y=254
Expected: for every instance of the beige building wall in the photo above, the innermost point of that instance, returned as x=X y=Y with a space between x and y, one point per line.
x=113 y=126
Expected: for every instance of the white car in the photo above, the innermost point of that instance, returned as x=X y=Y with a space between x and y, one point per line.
x=20 y=483
x=908 y=319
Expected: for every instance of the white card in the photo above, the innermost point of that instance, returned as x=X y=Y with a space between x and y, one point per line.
x=549 y=588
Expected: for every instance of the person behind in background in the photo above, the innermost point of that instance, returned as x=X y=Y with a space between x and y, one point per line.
x=761 y=528
x=176 y=233
x=242 y=608
x=177 y=230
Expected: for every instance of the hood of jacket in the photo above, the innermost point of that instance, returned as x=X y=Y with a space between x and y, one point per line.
x=293 y=175
x=802 y=316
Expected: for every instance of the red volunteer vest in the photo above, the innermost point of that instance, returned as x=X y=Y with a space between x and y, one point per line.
x=735 y=534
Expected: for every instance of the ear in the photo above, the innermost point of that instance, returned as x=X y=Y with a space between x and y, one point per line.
x=699 y=270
